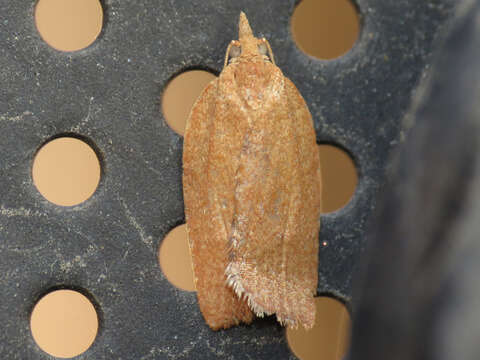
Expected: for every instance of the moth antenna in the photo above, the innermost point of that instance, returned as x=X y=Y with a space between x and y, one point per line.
x=226 y=54
x=244 y=29
x=270 y=52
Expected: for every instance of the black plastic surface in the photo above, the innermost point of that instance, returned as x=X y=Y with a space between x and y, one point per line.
x=420 y=294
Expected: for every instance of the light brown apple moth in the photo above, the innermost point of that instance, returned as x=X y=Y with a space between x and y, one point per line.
x=252 y=189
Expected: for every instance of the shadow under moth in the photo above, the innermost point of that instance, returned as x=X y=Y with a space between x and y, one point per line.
x=252 y=192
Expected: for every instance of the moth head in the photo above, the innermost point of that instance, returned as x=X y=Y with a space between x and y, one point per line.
x=248 y=45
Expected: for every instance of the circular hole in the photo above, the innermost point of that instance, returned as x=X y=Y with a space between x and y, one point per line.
x=69 y=25
x=175 y=260
x=328 y=339
x=66 y=171
x=180 y=95
x=339 y=177
x=325 y=29
x=64 y=323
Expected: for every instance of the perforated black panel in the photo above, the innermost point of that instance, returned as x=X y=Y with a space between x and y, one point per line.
x=108 y=94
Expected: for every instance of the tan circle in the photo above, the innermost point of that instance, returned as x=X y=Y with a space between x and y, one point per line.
x=339 y=178
x=329 y=337
x=64 y=323
x=180 y=95
x=66 y=171
x=69 y=25
x=325 y=29
x=175 y=260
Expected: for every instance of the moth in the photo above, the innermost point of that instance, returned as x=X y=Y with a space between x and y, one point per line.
x=252 y=192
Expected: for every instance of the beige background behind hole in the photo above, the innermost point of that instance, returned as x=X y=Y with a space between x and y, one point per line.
x=325 y=29
x=339 y=178
x=329 y=338
x=69 y=25
x=175 y=260
x=180 y=95
x=64 y=323
x=66 y=171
